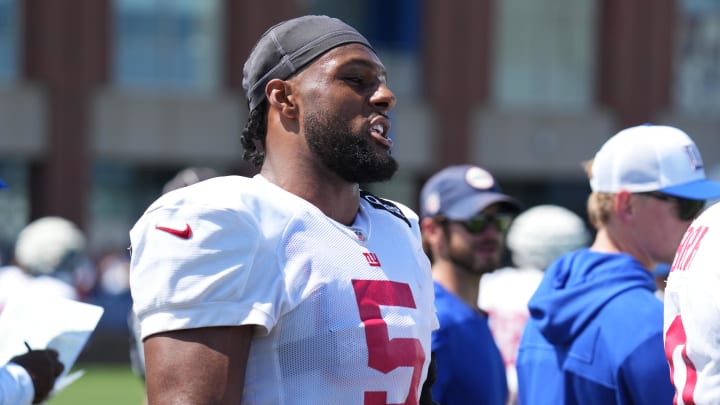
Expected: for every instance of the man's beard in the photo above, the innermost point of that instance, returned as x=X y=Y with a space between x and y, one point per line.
x=464 y=256
x=350 y=156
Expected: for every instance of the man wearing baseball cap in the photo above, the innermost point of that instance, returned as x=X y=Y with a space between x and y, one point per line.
x=294 y=286
x=465 y=216
x=595 y=334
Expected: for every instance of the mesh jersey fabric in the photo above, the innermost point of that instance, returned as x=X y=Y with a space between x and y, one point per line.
x=317 y=290
x=692 y=313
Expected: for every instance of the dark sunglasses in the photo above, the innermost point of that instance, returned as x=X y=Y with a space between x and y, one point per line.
x=479 y=222
x=687 y=209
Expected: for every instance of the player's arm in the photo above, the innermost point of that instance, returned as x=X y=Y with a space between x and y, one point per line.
x=426 y=397
x=197 y=366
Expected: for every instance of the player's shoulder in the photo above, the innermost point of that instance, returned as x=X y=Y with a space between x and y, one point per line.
x=228 y=199
x=389 y=207
x=227 y=193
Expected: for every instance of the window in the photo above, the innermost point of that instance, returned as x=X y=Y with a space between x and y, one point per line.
x=392 y=27
x=697 y=60
x=544 y=53
x=14 y=203
x=9 y=34
x=168 y=44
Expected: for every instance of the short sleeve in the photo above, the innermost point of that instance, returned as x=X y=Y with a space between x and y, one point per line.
x=198 y=266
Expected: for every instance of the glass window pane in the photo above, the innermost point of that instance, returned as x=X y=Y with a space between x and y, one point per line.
x=392 y=27
x=9 y=38
x=14 y=203
x=544 y=53
x=168 y=44
x=120 y=193
x=697 y=81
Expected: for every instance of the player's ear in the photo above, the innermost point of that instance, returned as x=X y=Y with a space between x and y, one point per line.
x=624 y=205
x=280 y=96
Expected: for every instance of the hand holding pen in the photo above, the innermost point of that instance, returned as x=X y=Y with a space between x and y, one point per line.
x=43 y=366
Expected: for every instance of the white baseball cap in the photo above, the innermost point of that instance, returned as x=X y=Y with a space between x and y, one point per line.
x=652 y=158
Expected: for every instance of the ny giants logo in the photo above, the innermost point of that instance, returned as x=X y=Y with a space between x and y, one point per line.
x=688 y=248
x=694 y=155
x=372 y=259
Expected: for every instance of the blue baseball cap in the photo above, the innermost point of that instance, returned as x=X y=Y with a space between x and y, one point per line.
x=459 y=192
x=2 y=184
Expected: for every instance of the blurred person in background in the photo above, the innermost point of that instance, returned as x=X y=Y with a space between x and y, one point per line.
x=28 y=378
x=536 y=238
x=464 y=219
x=48 y=251
x=188 y=176
x=595 y=330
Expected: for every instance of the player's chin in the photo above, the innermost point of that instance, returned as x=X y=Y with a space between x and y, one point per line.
x=487 y=261
x=381 y=167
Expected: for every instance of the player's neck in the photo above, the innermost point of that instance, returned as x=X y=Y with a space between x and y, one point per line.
x=338 y=200
x=617 y=242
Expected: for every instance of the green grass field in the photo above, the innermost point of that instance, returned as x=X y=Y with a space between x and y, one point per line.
x=111 y=384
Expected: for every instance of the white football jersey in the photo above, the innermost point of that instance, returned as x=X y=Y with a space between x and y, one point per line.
x=692 y=312
x=344 y=314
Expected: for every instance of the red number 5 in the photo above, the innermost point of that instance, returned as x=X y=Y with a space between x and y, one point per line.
x=385 y=354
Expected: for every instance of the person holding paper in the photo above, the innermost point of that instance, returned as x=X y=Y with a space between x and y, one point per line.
x=29 y=377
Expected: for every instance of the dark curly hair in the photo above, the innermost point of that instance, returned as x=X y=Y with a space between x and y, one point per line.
x=253 y=136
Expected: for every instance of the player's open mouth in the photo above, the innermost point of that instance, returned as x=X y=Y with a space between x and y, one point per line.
x=380 y=129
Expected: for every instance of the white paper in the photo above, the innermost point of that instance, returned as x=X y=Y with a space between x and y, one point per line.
x=55 y=323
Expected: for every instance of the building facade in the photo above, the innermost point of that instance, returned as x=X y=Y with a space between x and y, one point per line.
x=102 y=101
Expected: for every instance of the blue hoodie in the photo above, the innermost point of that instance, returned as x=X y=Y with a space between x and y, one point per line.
x=595 y=335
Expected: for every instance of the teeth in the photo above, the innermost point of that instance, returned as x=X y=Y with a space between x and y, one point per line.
x=379 y=128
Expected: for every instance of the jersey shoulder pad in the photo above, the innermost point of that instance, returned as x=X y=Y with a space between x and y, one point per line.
x=383 y=204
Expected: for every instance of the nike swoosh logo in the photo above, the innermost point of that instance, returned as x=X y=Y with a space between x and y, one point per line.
x=180 y=233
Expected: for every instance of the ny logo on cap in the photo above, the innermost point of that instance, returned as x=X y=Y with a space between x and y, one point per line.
x=694 y=156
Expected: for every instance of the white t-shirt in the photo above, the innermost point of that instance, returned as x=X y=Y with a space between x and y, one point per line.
x=692 y=312
x=344 y=314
